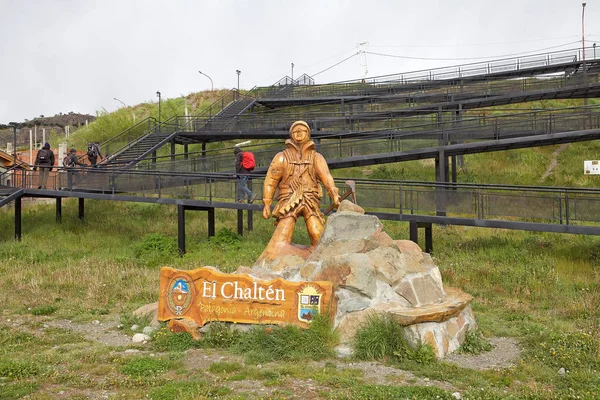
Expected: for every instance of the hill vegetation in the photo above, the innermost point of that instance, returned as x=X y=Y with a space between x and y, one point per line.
x=540 y=289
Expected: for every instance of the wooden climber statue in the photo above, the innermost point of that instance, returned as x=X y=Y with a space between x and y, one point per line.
x=297 y=173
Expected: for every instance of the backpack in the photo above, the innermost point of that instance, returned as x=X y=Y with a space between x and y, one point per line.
x=66 y=161
x=92 y=150
x=248 y=160
x=44 y=155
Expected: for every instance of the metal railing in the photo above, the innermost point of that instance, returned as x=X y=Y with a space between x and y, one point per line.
x=520 y=205
x=479 y=70
x=409 y=138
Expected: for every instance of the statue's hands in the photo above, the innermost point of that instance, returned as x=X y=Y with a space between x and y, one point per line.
x=267 y=209
x=336 y=202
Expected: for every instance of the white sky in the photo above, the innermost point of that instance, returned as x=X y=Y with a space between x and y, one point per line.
x=78 y=55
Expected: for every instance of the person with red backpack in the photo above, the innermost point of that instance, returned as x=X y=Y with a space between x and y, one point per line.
x=244 y=164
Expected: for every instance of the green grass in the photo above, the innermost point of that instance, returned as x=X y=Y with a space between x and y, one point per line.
x=540 y=288
x=543 y=289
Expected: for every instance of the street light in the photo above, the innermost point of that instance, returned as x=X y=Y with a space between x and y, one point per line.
x=238 y=72
x=16 y=129
x=292 y=73
x=211 y=81
x=583 y=34
x=594 y=46
x=124 y=105
x=158 y=94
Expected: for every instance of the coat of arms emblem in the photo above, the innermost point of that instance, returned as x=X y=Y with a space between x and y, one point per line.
x=309 y=303
x=180 y=295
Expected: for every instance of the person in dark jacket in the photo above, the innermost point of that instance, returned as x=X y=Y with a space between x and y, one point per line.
x=71 y=162
x=242 y=177
x=45 y=161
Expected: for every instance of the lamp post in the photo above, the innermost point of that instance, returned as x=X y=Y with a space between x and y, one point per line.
x=583 y=34
x=594 y=46
x=292 y=73
x=211 y=81
x=15 y=127
x=158 y=94
x=124 y=105
x=238 y=72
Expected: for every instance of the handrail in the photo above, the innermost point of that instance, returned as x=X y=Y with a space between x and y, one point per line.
x=568 y=59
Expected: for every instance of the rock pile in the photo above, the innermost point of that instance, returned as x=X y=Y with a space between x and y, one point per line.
x=374 y=274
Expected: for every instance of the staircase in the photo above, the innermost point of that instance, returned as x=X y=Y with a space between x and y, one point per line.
x=139 y=149
x=8 y=194
x=226 y=119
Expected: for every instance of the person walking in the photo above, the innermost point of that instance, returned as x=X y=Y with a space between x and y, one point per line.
x=93 y=153
x=71 y=162
x=45 y=161
x=242 y=173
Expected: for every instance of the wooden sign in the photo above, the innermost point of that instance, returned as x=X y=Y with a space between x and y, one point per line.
x=205 y=294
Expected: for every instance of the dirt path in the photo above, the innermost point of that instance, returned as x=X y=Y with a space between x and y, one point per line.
x=554 y=161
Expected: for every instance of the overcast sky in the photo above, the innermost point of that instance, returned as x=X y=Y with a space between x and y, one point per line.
x=78 y=55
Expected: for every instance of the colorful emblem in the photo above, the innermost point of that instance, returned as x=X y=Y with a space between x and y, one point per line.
x=309 y=303
x=180 y=295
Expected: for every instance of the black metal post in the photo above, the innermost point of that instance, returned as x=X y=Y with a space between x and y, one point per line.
x=18 y=219
x=211 y=222
x=81 y=208
x=240 y=221
x=59 y=209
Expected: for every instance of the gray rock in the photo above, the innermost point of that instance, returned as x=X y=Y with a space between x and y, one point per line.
x=148 y=330
x=343 y=351
x=140 y=338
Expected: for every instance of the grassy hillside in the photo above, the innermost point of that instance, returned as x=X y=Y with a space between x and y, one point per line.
x=542 y=290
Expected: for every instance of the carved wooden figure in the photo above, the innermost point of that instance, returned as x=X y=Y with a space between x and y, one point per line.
x=297 y=172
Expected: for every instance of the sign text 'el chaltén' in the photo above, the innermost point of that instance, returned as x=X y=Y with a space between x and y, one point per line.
x=205 y=294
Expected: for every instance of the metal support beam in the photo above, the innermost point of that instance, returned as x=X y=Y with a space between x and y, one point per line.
x=181 y=209
x=59 y=209
x=414 y=234
x=441 y=176
x=428 y=238
x=81 y=208
x=18 y=219
x=211 y=222
x=185 y=151
x=414 y=231
x=172 y=150
x=250 y=221
x=240 y=221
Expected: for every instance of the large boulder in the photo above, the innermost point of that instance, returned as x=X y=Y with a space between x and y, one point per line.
x=374 y=274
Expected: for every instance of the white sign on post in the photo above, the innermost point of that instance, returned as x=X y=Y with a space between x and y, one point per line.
x=591 y=167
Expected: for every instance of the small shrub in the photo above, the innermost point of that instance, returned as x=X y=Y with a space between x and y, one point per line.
x=367 y=392
x=289 y=342
x=165 y=340
x=570 y=350
x=155 y=244
x=220 y=335
x=383 y=338
x=43 y=310
x=17 y=390
x=146 y=366
x=225 y=237
x=475 y=343
x=16 y=369
x=180 y=390
x=224 y=367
